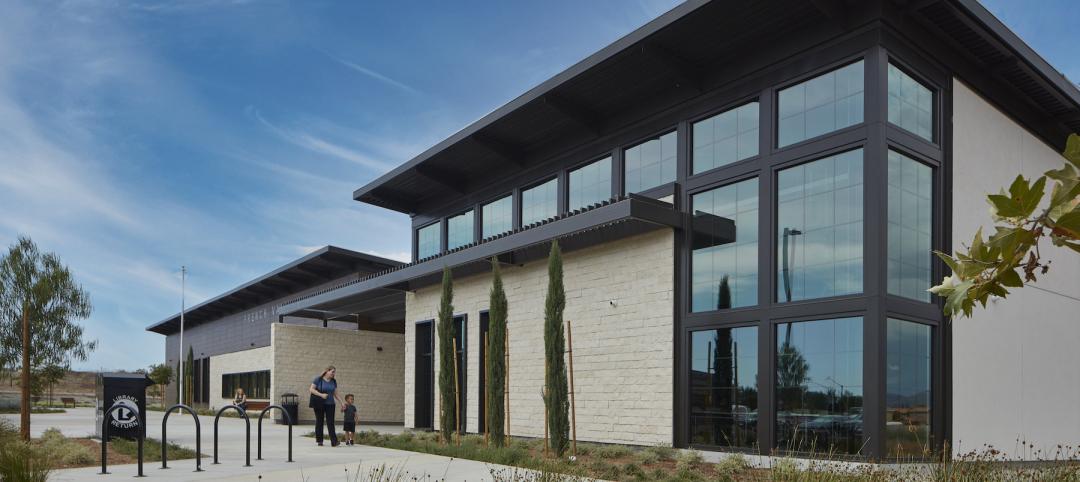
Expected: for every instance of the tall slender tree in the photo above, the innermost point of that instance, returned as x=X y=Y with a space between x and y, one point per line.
x=557 y=394
x=447 y=398
x=39 y=301
x=189 y=376
x=496 y=358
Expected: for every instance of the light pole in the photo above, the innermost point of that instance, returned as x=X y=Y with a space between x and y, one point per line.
x=183 y=288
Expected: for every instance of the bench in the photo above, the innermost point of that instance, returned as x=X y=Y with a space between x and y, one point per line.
x=67 y=400
x=257 y=405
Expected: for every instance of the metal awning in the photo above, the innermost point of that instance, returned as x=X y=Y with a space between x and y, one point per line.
x=611 y=220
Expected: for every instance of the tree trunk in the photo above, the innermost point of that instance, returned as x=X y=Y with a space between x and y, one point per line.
x=24 y=411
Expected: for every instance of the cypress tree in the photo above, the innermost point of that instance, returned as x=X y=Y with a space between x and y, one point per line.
x=447 y=401
x=496 y=358
x=557 y=398
x=189 y=377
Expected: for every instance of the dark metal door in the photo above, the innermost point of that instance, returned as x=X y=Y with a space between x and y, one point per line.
x=424 y=403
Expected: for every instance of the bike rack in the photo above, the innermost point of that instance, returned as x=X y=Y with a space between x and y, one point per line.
x=105 y=436
x=247 y=423
x=288 y=420
x=198 y=436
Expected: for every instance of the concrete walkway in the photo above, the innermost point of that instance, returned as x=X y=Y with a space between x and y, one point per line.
x=311 y=462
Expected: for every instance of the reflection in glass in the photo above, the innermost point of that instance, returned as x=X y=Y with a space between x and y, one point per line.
x=651 y=163
x=723 y=387
x=540 y=202
x=910 y=220
x=819 y=395
x=907 y=389
x=590 y=184
x=725 y=275
x=427 y=241
x=459 y=230
x=726 y=137
x=911 y=104
x=498 y=217
x=821 y=105
x=820 y=228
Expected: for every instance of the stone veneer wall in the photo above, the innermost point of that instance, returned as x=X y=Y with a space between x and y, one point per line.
x=251 y=360
x=623 y=353
x=301 y=353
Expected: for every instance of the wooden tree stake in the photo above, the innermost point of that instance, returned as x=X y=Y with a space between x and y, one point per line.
x=457 y=395
x=573 y=411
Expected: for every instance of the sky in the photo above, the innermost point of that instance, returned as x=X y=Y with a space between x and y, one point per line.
x=228 y=135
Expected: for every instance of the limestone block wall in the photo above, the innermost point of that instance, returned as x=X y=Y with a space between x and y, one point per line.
x=1014 y=363
x=251 y=360
x=375 y=377
x=620 y=300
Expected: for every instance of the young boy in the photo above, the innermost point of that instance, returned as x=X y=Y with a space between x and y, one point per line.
x=349 y=420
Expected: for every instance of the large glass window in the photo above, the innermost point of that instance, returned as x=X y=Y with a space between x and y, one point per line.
x=819 y=393
x=821 y=105
x=723 y=387
x=820 y=230
x=907 y=389
x=725 y=275
x=911 y=104
x=427 y=241
x=459 y=230
x=540 y=202
x=651 y=163
x=498 y=217
x=911 y=186
x=256 y=385
x=590 y=184
x=726 y=137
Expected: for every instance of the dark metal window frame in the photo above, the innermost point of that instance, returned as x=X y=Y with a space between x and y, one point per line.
x=730 y=106
x=228 y=390
x=640 y=140
x=480 y=213
x=688 y=343
x=580 y=165
x=416 y=238
x=560 y=196
x=446 y=227
x=875 y=135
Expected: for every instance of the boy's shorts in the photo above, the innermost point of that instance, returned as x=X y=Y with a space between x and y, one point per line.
x=349 y=427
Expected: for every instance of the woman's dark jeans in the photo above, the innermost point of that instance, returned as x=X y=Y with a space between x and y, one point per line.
x=326 y=412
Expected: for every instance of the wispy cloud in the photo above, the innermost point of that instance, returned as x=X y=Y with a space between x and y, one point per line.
x=320 y=145
x=374 y=75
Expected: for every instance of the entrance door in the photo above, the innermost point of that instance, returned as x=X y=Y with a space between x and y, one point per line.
x=424 y=403
x=459 y=337
x=482 y=389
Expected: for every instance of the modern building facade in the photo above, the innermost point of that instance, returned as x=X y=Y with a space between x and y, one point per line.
x=748 y=195
x=242 y=339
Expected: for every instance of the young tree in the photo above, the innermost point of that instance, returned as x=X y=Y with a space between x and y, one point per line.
x=162 y=375
x=447 y=398
x=496 y=358
x=39 y=302
x=989 y=266
x=51 y=375
x=557 y=397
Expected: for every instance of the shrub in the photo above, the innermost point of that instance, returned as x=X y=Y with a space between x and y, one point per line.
x=646 y=457
x=731 y=466
x=611 y=451
x=64 y=451
x=662 y=452
x=21 y=462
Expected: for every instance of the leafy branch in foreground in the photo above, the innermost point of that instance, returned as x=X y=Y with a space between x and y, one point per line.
x=989 y=267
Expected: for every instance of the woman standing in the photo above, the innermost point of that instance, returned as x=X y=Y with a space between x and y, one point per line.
x=323 y=391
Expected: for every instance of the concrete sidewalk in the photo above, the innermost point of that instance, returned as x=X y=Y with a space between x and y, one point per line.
x=311 y=462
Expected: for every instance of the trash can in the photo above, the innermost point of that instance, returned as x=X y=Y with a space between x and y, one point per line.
x=128 y=389
x=290 y=402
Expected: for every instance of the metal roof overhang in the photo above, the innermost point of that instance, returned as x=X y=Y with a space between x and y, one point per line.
x=325 y=264
x=683 y=53
x=612 y=220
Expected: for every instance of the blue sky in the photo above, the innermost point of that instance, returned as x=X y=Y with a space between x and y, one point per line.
x=228 y=135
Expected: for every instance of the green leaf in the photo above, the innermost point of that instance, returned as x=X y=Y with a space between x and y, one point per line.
x=1072 y=246
x=1066 y=173
x=949 y=261
x=1010 y=278
x=1032 y=197
x=959 y=297
x=1019 y=188
x=1072 y=149
x=1069 y=222
x=1004 y=206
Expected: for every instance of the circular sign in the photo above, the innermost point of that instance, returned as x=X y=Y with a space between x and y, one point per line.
x=127 y=416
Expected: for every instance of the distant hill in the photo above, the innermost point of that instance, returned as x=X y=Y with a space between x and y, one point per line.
x=76 y=384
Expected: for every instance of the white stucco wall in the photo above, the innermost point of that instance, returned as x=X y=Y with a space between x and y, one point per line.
x=623 y=353
x=1016 y=364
